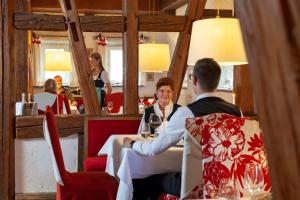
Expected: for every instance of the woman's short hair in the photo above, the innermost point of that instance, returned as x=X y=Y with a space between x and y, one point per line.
x=207 y=71
x=50 y=85
x=165 y=82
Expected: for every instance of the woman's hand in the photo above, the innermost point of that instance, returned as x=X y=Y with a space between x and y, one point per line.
x=127 y=141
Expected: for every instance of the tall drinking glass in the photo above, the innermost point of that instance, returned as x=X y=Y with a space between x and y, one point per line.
x=228 y=190
x=145 y=132
x=253 y=179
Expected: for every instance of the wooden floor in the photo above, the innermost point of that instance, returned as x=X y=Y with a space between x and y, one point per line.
x=35 y=196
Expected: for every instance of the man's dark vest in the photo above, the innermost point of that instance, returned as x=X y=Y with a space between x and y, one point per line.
x=150 y=110
x=209 y=105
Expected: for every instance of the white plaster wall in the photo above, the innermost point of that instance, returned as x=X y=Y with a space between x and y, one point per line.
x=33 y=166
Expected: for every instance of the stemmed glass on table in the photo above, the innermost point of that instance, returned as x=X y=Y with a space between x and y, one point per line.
x=145 y=131
x=228 y=190
x=155 y=121
x=253 y=179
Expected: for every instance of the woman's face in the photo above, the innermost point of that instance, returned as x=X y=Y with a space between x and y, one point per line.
x=164 y=95
x=94 y=63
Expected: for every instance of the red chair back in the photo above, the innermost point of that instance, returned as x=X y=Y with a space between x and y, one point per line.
x=54 y=141
x=99 y=130
x=117 y=99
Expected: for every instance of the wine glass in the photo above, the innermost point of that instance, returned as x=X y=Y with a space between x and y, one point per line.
x=228 y=190
x=145 y=131
x=110 y=106
x=253 y=178
x=155 y=122
x=142 y=99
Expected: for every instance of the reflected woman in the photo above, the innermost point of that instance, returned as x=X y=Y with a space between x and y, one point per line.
x=164 y=106
x=100 y=76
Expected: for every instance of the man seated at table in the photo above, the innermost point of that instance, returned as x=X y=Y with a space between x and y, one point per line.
x=205 y=79
x=64 y=91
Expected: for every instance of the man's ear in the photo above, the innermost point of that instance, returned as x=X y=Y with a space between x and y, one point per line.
x=195 y=82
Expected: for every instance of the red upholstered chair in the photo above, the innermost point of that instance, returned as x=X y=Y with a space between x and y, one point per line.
x=98 y=131
x=75 y=186
x=219 y=146
x=117 y=99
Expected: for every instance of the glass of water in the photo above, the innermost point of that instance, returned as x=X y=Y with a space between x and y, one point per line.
x=145 y=131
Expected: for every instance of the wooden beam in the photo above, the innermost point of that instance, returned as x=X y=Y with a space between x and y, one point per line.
x=212 y=13
x=21 y=71
x=164 y=23
x=45 y=22
x=179 y=61
x=36 y=196
x=243 y=90
x=80 y=57
x=158 y=23
x=32 y=126
x=91 y=6
x=172 y=4
x=7 y=101
x=1 y=105
x=271 y=34
x=130 y=57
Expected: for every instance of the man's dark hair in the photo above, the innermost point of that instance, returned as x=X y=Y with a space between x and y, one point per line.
x=207 y=71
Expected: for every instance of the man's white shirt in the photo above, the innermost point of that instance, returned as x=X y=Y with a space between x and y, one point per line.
x=172 y=134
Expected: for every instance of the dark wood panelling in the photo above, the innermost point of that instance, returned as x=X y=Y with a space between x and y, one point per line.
x=35 y=196
x=243 y=90
x=130 y=57
x=178 y=65
x=32 y=126
x=80 y=57
x=271 y=34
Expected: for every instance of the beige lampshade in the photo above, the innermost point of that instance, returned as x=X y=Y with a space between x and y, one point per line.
x=217 y=38
x=58 y=61
x=154 y=57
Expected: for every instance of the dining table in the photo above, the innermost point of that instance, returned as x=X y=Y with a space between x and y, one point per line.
x=125 y=164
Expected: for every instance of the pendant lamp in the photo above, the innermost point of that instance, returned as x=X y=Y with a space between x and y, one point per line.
x=217 y=38
x=58 y=61
x=154 y=57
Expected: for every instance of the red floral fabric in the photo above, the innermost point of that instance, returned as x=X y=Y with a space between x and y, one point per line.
x=228 y=144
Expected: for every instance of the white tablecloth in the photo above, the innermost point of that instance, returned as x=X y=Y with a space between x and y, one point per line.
x=125 y=164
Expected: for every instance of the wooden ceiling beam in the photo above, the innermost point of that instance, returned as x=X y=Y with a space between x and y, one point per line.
x=90 y=6
x=171 y=4
x=45 y=22
x=161 y=23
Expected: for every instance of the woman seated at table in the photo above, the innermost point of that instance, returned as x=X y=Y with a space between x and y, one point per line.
x=50 y=86
x=164 y=107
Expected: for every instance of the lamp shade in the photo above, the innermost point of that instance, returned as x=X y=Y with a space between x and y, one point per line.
x=58 y=61
x=154 y=57
x=218 y=38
